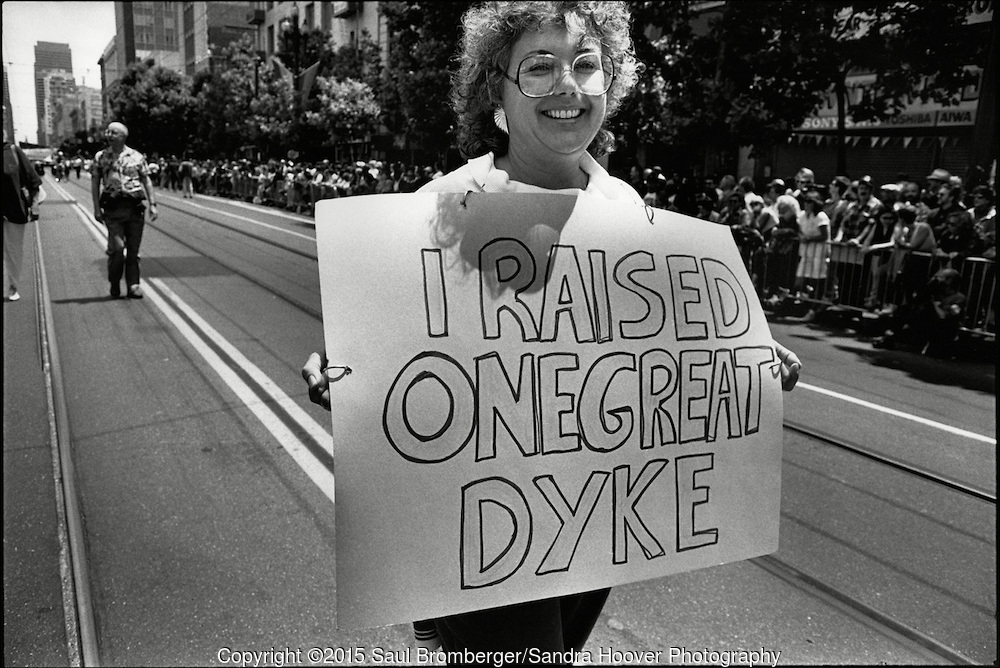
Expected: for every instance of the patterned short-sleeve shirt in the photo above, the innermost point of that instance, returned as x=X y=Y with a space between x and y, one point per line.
x=124 y=173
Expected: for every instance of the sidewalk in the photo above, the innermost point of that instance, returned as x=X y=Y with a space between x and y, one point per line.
x=34 y=631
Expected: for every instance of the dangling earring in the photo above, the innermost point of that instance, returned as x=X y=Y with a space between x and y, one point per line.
x=500 y=118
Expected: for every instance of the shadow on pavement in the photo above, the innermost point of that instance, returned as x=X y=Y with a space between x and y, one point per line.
x=85 y=300
x=182 y=267
x=973 y=366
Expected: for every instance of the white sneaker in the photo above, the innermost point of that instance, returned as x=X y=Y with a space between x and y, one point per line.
x=13 y=295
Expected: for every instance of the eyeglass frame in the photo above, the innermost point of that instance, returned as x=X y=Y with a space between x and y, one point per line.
x=602 y=56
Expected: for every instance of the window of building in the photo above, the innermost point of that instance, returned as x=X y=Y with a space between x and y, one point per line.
x=310 y=15
x=270 y=40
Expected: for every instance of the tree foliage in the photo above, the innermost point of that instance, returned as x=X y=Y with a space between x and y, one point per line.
x=346 y=110
x=754 y=71
x=422 y=44
x=155 y=103
x=737 y=74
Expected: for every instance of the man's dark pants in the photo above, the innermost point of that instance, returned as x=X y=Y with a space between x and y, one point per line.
x=125 y=220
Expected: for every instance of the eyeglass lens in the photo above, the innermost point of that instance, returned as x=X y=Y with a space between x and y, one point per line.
x=538 y=76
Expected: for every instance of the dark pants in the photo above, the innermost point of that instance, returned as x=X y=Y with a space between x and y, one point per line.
x=550 y=625
x=125 y=221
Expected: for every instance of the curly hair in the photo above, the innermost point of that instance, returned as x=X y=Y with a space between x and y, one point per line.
x=490 y=30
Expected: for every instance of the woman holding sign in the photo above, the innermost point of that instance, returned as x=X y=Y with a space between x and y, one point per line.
x=536 y=84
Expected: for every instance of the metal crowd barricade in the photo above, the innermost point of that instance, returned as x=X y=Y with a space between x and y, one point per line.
x=873 y=280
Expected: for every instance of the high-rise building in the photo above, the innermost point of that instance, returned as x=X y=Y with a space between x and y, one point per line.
x=51 y=58
x=59 y=106
x=8 y=110
x=91 y=108
x=186 y=37
x=208 y=28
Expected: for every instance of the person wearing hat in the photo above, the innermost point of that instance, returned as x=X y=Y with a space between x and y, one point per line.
x=805 y=180
x=936 y=179
x=949 y=200
x=121 y=190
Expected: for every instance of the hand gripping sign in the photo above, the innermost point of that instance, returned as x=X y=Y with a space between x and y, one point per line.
x=550 y=394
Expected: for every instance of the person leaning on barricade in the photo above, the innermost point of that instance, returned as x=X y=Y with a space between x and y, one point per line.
x=929 y=320
x=877 y=236
x=984 y=221
x=527 y=127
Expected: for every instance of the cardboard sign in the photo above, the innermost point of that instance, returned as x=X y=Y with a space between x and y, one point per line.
x=550 y=394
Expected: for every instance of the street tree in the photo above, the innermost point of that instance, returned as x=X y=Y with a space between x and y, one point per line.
x=916 y=50
x=345 y=110
x=242 y=104
x=757 y=70
x=414 y=98
x=156 y=105
x=361 y=63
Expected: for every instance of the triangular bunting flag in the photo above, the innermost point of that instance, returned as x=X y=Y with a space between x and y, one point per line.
x=942 y=141
x=885 y=140
x=906 y=142
x=873 y=141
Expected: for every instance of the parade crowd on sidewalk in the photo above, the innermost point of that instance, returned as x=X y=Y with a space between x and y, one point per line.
x=884 y=248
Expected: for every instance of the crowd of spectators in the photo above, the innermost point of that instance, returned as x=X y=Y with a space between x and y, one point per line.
x=287 y=184
x=892 y=244
x=799 y=239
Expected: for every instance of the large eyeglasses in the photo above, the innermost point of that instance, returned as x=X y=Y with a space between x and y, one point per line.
x=538 y=76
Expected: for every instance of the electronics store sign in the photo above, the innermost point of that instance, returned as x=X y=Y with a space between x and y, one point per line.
x=916 y=114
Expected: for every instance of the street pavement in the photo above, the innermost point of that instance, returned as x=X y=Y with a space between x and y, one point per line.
x=34 y=628
x=184 y=602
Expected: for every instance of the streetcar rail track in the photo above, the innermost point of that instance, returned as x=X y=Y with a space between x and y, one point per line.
x=886 y=460
x=81 y=629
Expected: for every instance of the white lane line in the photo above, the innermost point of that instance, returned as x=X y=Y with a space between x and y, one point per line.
x=260 y=208
x=317 y=472
x=321 y=476
x=806 y=386
x=900 y=414
x=249 y=220
x=320 y=435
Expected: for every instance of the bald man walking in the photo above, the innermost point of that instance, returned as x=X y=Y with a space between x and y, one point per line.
x=121 y=189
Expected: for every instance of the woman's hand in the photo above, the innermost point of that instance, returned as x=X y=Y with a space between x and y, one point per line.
x=790 y=367
x=319 y=388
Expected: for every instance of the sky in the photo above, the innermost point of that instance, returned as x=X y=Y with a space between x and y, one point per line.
x=86 y=26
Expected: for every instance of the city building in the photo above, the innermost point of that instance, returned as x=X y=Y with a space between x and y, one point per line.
x=53 y=77
x=59 y=107
x=346 y=22
x=91 y=108
x=8 y=110
x=186 y=37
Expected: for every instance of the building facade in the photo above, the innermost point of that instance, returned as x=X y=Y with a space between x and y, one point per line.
x=53 y=81
x=186 y=37
x=346 y=22
x=8 y=110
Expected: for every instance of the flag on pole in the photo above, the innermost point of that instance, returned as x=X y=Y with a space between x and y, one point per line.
x=307 y=78
x=283 y=71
